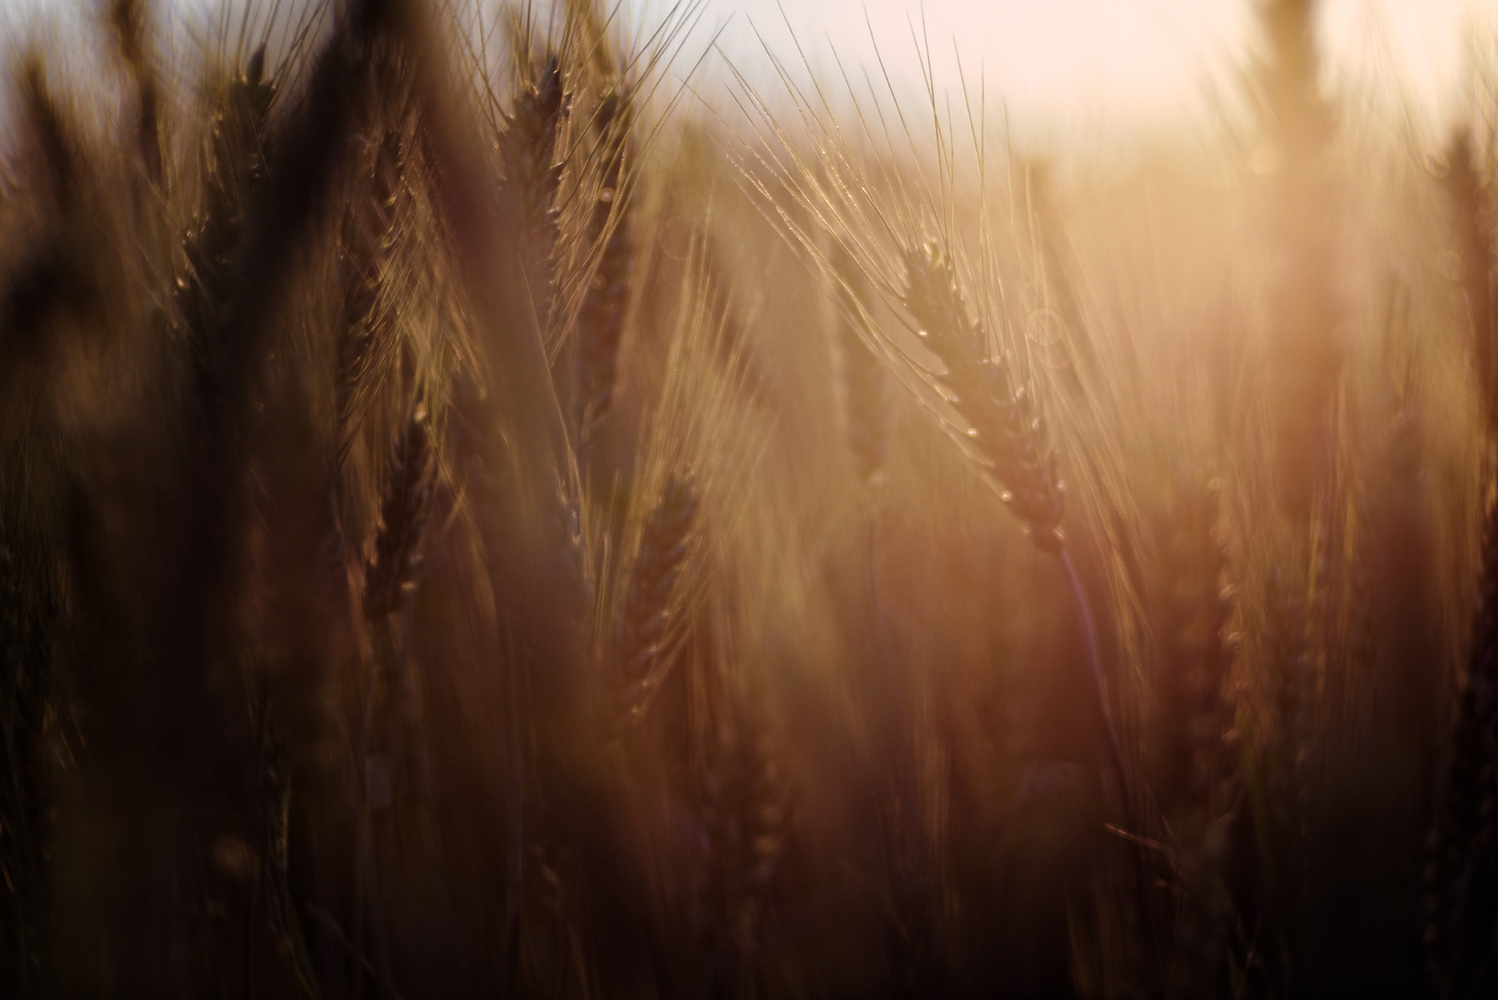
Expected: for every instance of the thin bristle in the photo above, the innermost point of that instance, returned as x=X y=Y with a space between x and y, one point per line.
x=864 y=382
x=236 y=161
x=366 y=339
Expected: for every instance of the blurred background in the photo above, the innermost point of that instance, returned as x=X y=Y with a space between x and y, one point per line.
x=730 y=499
x=1066 y=71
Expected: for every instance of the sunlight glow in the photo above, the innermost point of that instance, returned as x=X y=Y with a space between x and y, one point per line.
x=1073 y=68
x=1065 y=70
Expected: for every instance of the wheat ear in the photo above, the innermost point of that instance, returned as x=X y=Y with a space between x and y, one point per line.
x=1006 y=432
x=1008 y=438
x=529 y=146
x=640 y=628
x=1196 y=778
x=391 y=573
x=366 y=339
x=744 y=817
x=600 y=320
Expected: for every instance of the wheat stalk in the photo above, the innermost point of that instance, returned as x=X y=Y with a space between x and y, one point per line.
x=1195 y=778
x=744 y=815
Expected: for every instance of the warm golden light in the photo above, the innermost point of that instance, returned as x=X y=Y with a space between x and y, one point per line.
x=749 y=500
x=1070 y=69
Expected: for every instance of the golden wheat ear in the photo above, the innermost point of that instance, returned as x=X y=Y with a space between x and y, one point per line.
x=744 y=818
x=367 y=339
x=1192 y=612
x=407 y=496
x=1005 y=430
x=640 y=628
x=235 y=166
x=600 y=319
x=1059 y=266
x=533 y=175
x=1007 y=436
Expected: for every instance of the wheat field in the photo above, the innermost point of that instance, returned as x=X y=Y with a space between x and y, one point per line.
x=484 y=513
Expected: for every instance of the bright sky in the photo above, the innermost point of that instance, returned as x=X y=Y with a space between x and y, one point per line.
x=1089 y=65
x=1063 y=66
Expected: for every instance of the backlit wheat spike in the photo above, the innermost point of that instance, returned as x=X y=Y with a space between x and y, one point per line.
x=533 y=174
x=744 y=816
x=403 y=513
x=640 y=629
x=600 y=320
x=1003 y=426
x=366 y=338
x=813 y=719
x=236 y=160
x=1473 y=228
x=1008 y=436
x=1057 y=260
x=1196 y=739
x=1196 y=655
